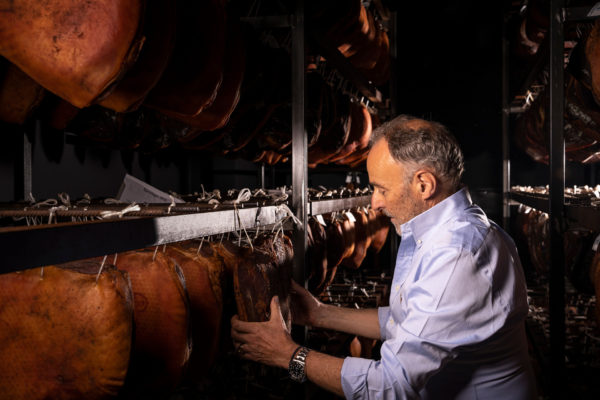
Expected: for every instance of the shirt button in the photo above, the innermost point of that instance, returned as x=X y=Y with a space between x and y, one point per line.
x=419 y=242
x=397 y=287
x=391 y=320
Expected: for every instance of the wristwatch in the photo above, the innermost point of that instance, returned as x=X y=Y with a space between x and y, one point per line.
x=298 y=363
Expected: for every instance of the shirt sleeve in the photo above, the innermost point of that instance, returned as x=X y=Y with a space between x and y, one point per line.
x=447 y=306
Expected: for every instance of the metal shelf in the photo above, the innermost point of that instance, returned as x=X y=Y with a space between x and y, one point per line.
x=575 y=215
x=327 y=206
x=35 y=246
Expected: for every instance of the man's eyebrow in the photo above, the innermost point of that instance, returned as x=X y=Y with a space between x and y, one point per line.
x=377 y=185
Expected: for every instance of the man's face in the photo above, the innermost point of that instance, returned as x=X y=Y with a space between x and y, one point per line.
x=392 y=193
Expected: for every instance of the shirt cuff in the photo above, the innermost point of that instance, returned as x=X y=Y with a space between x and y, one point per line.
x=354 y=376
x=383 y=314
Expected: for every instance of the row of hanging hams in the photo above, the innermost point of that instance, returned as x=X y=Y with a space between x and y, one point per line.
x=342 y=239
x=581 y=111
x=135 y=325
x=139 y=324
x=582 y=254
x=358 y=34
x=150 y=75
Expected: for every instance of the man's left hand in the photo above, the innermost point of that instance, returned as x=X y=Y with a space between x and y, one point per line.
x=266 y=342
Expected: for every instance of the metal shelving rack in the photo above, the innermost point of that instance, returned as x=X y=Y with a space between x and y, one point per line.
x=561 y=214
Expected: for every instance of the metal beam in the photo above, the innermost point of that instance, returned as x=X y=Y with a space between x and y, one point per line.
x=299 y=144
x=557 y=199
x=29 y=247
x=330 y=205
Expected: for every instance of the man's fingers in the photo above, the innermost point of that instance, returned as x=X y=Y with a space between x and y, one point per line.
x=242 y=326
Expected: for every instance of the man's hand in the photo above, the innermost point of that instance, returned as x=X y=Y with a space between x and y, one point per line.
x=304 y=306
x=266 y=342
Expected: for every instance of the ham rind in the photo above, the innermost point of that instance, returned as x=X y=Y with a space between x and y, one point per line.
x=316 y=255
x=66 y=332
x=75 y=49
x=19 y=94
x=362 y=242
x=263 y=272
x=217 y=115
x=360 y=132
x=160 y=21
x=204 y=273
x=194 y=74
x=162 y=344
x=380 y=235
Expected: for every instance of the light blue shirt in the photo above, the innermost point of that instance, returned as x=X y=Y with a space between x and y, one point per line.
x=455 y=325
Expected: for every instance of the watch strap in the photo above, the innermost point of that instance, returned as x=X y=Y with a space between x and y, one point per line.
x=297 y=366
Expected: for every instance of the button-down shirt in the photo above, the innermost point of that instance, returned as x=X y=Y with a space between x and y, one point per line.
x=454 y=328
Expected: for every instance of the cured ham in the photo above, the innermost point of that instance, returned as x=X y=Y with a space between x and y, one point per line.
x=204 y=276
x=195 y=70
x=19 y=94
x=316 y=255
x=217 y=114
x=362 y=240
x=380 y=234
x=77 y=50
x=66 y=332
x=261 y=273
x=360 y=132
x=162 y=343
x=159 y=40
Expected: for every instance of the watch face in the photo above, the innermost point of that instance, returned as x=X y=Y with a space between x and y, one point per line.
x=297 y=371
x=297 y=365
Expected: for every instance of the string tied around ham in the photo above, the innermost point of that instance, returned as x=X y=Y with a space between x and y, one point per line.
x=171 y=205
x=111 y=200
x=243 y=196
x=65 y=199
x=130 y=208
x=53 y=210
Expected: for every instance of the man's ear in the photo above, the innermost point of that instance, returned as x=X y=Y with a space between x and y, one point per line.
x=425 y=184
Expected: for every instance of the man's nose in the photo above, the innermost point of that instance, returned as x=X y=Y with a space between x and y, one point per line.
x=377 y=202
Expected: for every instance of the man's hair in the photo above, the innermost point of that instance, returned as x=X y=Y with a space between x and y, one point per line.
x=421 y=143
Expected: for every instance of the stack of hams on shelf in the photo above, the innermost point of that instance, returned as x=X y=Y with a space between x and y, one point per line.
x=341 y=239
x=581 y=90
x=191 y=74
x=581 y=245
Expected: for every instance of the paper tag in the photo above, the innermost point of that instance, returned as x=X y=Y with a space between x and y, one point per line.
x=596 y=243
x=594 y=11
x=133 y=189
x=321 y=220
x=350 y=216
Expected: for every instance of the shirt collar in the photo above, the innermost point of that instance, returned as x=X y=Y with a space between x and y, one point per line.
x=438 y=214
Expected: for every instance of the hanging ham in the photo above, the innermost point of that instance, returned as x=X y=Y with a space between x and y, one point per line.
x=66 y=332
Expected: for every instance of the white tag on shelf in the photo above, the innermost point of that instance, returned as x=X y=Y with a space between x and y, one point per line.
x=321 y=220
x=133 y=189
x=350 y=216
x=596 y=243
x=594 y=11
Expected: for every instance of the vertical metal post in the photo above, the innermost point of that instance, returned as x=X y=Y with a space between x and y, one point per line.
x=23 y=181
x=505 y=130
x=262 y=176
x=556 y=206
x=299 y=145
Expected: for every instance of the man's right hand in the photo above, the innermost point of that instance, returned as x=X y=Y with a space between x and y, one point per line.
x=309 y=311
x=304 y=306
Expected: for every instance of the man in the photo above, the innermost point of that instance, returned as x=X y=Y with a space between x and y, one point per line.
x=455 y=325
